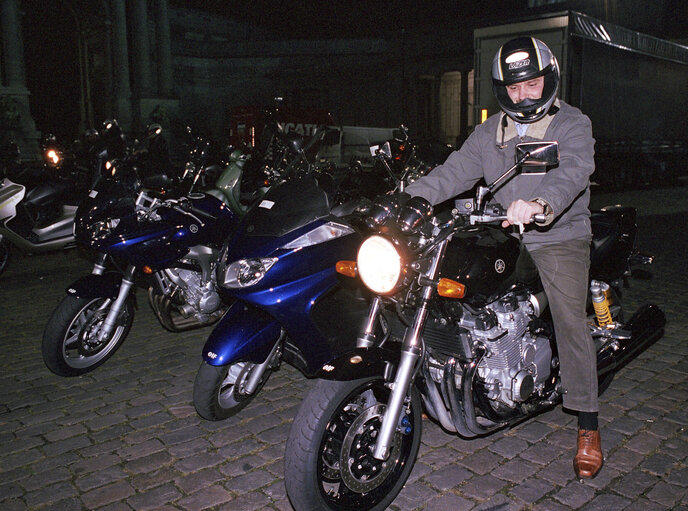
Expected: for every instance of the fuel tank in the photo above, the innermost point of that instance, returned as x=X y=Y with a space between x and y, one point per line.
x=484 y=260
x=159 y=243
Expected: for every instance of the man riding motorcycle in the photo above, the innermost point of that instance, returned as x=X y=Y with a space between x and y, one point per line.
x=525 y=77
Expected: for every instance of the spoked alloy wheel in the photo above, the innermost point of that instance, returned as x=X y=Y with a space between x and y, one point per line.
x=70 y=340
x=219 y=392
x=329 y=463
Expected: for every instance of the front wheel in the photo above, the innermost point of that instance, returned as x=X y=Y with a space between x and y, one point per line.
x=219 y=391
x=328 y=463
x=71 y=346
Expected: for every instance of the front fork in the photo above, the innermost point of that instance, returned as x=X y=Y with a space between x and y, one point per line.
x=110 y=321
x=99 y=265
x=411 y=351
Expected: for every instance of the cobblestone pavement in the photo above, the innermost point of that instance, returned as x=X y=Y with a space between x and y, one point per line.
x=126 y=436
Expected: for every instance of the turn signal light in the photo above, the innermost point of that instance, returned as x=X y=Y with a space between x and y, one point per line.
x=450 y=289
x=147 y=270
x=347 y=268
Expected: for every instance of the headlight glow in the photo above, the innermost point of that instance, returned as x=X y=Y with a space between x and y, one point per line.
x=379 y=264
x=320 y=234
x=247 y=272
x=53 y=156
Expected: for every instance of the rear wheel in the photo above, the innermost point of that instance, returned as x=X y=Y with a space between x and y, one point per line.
x=71 y=345
x=328 y=460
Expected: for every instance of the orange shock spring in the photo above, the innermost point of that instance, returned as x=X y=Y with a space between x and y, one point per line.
x=600 y=301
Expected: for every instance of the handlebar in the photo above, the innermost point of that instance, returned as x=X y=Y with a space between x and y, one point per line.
x=488 y=218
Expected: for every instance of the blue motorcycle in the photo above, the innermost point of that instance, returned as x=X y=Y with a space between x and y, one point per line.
x=278 y=271
x=163 y=233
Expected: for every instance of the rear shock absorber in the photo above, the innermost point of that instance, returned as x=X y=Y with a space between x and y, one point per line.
x=600 y=301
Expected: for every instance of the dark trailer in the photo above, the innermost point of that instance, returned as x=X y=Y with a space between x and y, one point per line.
x=634 y=88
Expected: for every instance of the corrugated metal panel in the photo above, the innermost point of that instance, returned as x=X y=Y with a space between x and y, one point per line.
x=587 y=27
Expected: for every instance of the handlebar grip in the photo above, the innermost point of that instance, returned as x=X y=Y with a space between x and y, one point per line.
x=540 y=218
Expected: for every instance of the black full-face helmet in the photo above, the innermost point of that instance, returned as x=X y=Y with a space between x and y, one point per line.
x=519 y=60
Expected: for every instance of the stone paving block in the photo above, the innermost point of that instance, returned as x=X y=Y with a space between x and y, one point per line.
x=516 y=470
x=448 y=501
x=207 y=498
x=532 y=490
x=666 y=494
x=482 y=487
x=448 y=477
x=606 y=503
x=100 y=478
x=151 y=462
x=509 y=447
x=481 y=462
x=413 y=496
x=498 y=502
x=145 y=481
x=114 y=492
x=575 y=495
x=154 y=498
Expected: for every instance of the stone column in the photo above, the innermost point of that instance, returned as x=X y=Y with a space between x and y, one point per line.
x=120 y=60
x=16 y=122
x=164 y=50
x=12 y=44
x=140 y=48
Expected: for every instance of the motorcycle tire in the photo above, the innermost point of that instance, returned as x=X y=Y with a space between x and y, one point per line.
x=4 y=254
x=67 y=348
x=338 y=422
x=217 y=392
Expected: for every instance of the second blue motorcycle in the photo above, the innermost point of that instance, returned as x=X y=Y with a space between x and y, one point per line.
x=289 y=305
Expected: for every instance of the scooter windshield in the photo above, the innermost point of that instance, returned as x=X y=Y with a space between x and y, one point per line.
x=286 y=207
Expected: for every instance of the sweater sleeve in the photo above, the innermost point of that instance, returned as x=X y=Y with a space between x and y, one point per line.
x=564 y=183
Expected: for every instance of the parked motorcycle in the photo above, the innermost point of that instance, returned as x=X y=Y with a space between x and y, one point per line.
x=165 y=232
x=452 y=326
x=278 y=270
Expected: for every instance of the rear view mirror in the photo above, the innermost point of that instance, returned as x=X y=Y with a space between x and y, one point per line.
x=539 y=155
x=383 y=149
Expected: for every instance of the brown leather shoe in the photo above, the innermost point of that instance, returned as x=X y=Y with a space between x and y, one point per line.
x=589 y=458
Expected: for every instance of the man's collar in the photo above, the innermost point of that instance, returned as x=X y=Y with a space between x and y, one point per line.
x=536 y=129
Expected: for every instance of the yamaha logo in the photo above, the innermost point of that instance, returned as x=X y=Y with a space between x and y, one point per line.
x=500 y=266
x=193 y=228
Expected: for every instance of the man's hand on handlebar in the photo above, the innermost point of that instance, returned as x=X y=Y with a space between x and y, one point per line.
x=522 y=212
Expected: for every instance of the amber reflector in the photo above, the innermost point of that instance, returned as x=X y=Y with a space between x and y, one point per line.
x=450 y=289
x=147 y=270
x=347 y=268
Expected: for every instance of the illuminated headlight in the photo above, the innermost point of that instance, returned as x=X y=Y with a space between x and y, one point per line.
x=321 y=234
x=379 y=264
x=53 y=156
x=247 y=272
x=102 y=229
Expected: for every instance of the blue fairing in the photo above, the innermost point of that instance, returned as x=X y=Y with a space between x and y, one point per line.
x=243 y=333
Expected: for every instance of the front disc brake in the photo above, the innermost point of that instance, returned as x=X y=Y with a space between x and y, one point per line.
x=360 y=471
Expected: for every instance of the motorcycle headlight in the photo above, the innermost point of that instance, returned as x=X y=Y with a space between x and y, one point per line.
x=320 y=234
x=247 y=272
x=379 y=265
x=53 y=156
